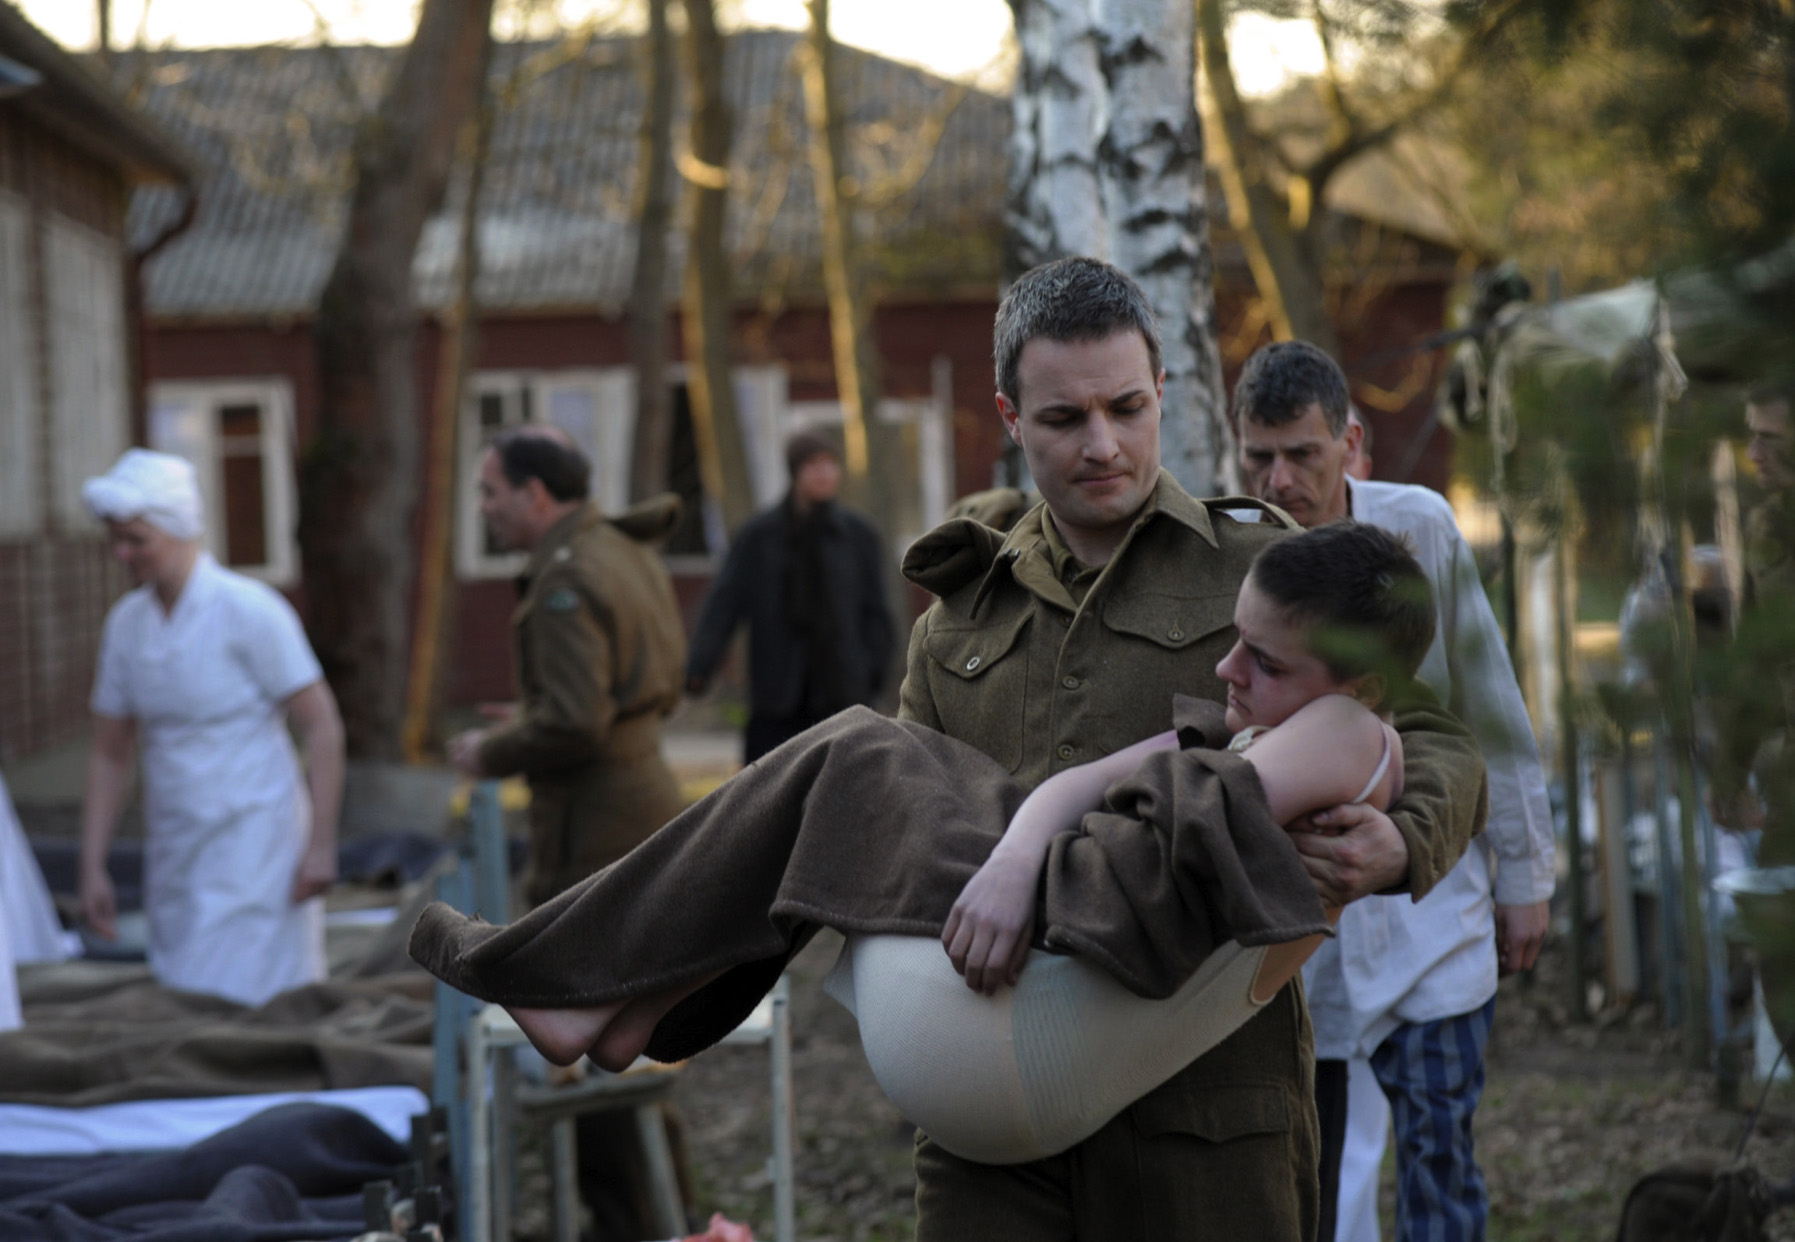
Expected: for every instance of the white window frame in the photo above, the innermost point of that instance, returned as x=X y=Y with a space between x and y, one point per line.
x=183 y=420
x=605 y=430
x=21 y=482
x=89 y=408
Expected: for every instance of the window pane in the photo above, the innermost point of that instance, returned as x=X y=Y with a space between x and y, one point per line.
x=492 y=411
x=245 y=512
x=240 y=421
x=683 y=478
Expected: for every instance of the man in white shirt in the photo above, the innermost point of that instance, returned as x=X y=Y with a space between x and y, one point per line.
x=1406 y=994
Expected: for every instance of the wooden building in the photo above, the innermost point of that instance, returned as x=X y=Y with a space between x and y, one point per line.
x=229 y=353
x=71 y=154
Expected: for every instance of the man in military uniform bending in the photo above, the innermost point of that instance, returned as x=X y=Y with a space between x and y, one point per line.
x=1067 y=641
x=600 y=662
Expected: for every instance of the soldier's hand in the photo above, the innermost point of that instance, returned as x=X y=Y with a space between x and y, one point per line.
x=464 y=752
x=1358 y=851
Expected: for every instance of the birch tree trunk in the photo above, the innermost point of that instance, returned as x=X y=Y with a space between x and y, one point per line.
x=648 y=288
x=722 y=457
x=359 y=478
x=1107 y=161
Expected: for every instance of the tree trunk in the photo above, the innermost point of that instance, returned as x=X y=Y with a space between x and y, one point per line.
x=722 y=457
x=1107 y=161
x=460 y=343
x=650 y=465
x=850 y=309
x=1285 y=261
x=360 y=474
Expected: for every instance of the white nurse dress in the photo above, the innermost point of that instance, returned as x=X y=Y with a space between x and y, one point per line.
x=226 y=813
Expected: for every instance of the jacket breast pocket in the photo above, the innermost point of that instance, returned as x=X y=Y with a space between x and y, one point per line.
x=1158 y=645
x=980 y=683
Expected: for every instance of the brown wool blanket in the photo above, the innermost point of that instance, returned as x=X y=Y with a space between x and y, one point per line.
x=82 y=1045
x=868 y=824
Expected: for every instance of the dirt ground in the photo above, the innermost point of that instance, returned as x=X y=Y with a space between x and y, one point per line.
x=1571 y=1117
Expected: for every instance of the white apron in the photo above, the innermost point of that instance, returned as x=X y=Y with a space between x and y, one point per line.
x=226 y=815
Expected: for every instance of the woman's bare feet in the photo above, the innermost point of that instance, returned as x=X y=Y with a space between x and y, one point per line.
x=613 y=1035
x=564 y=1035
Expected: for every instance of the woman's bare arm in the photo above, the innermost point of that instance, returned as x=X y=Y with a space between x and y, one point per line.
x=109 y=769
x=988 y=930
x=313 y=712
x=1322 y=756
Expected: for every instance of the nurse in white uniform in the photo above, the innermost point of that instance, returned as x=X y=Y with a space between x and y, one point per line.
x=203 y=669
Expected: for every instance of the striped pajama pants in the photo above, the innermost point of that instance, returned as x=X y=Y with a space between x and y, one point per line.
x=1432 y=1074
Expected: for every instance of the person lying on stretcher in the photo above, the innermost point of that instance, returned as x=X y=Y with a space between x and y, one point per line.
x=1044 y=1047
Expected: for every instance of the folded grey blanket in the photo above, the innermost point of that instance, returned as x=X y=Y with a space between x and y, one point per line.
x=868 y=824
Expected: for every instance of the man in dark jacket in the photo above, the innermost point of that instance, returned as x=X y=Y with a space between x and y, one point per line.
x=808 y=577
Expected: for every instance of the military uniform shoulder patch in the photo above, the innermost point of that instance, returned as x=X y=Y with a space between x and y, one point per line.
x=562 y=599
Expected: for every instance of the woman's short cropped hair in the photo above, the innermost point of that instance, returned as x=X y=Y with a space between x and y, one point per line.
x=1360 y=591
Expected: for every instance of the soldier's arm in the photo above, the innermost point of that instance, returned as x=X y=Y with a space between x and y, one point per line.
x=1445 y=793
x=916 y=701
x=566 y=724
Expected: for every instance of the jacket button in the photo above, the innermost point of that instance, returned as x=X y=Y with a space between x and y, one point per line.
x=1065 y=618
x=1065 y=751
x=1176 y=635
x=1071 y=683
x=972 y=664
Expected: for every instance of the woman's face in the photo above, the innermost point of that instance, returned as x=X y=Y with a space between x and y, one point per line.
x=1270 y=670
x=148 y=553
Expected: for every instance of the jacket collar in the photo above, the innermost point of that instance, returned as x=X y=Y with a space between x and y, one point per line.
x=553 y=546
x=1024 y=554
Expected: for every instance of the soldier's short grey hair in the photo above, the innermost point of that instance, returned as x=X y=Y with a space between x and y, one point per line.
x=1282 y=380
x=1074 y=299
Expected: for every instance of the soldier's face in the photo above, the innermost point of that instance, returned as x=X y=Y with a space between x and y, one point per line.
x=1299 y=466
x=1770 y=445
x=1088 y=424
x=508 y=510
x=1270 y=670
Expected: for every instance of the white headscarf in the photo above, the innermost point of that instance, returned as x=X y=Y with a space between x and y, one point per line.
x=160 y=488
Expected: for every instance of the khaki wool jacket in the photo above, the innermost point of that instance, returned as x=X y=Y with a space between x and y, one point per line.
x=1007 y=661
x=601 y=657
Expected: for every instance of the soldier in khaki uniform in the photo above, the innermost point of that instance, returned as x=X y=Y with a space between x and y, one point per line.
x=1067 y=642
x=600 y=658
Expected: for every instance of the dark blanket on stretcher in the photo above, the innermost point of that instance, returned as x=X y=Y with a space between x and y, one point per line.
x=867 y=824
x=293 y=1172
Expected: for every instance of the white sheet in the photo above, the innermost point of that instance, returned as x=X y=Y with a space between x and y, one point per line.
x=161 y=1125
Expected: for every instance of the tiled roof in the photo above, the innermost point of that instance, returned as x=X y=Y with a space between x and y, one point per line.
x=70 y=96
x=272 y=129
